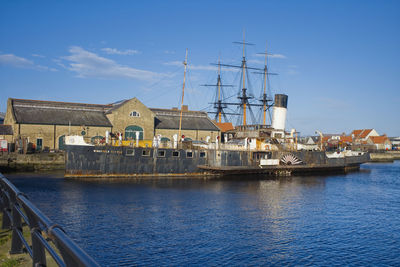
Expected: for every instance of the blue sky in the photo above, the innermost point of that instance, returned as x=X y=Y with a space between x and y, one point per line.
x=337 y=60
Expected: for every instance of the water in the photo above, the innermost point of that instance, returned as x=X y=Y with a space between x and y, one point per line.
x=351 y=219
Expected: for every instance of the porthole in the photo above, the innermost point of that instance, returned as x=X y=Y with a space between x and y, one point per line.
x=130 y=152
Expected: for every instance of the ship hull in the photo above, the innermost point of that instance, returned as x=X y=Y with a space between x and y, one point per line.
x=104 y=161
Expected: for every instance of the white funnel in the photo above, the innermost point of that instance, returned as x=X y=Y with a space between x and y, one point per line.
x=279 y=112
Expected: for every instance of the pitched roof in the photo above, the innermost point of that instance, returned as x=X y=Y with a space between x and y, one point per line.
x=191 y=120
x=6 y=130
x=60 y=113
x=379 y=139
x=224 y=126
x=363 y=133
x=115 y=105
x=347 y=139
x=356 y=132
x=310 y=141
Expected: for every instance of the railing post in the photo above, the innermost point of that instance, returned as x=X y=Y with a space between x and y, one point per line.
x=5 y=209
x=17 y=208
x=38 y=251
x=6 y=223
x=16 y=243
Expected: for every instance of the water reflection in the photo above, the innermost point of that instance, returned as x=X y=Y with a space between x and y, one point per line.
x=318 y=220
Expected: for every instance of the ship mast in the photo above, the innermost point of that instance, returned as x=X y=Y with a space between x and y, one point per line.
x=183 y=93
x=264 y=100
x=243 y=96
x=218 y=104
x=219 y=90
x=265 y=86
x=244 y=103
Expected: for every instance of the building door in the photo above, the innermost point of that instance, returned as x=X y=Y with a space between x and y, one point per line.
x=39 y=144
x=130 y=132
x=61 y=142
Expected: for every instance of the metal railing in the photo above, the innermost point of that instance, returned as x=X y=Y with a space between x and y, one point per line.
x=45 y=235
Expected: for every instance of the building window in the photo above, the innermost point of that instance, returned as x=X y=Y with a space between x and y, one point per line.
x=130 y=132
x=61 y=142
x=175 y=153
x=189 y=154
x=39 y=144
x=202 y=154
x=146 y=153
x=134 y=114
x=161 y=153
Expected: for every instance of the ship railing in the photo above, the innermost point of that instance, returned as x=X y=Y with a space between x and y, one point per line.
x=45 y=235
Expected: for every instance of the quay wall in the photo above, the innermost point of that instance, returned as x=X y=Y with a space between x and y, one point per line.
x=395 y=154
x=381 y=157
x=32 y=162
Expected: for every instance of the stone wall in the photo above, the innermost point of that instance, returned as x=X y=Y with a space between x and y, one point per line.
x=381 y=157
x=50 y=134
x=32 y=162
x=120 y=118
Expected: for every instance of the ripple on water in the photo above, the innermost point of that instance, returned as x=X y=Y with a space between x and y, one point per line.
x=321 y=220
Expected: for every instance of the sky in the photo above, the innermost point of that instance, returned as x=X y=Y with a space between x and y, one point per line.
x=338 y=61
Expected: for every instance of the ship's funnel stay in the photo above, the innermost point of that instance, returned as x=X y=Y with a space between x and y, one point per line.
x=279 y=112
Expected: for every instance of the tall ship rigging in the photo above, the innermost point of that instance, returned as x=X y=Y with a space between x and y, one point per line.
x=243 y=110
x=252 y=147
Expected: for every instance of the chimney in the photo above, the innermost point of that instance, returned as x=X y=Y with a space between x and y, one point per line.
x=279 y=112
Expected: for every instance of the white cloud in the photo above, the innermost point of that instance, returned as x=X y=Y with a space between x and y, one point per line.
x=271 y=55
x=88 y=64
x=277 y=56
x=20 y=62
x=38 y=55
x=169 y=52
x=191 y=66
x=203 y=67
x=173 y=63
x=114 y=51
x=256 y=61
x=15 y=61
x=198 y=67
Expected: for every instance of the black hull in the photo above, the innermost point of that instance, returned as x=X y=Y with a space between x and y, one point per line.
x=102 y=161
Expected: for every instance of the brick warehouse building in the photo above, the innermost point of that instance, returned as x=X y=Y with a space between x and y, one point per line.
x=46 y=123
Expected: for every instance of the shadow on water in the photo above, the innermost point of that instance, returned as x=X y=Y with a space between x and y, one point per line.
x=306 y=180
x=184 y=182
x=50 y=174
